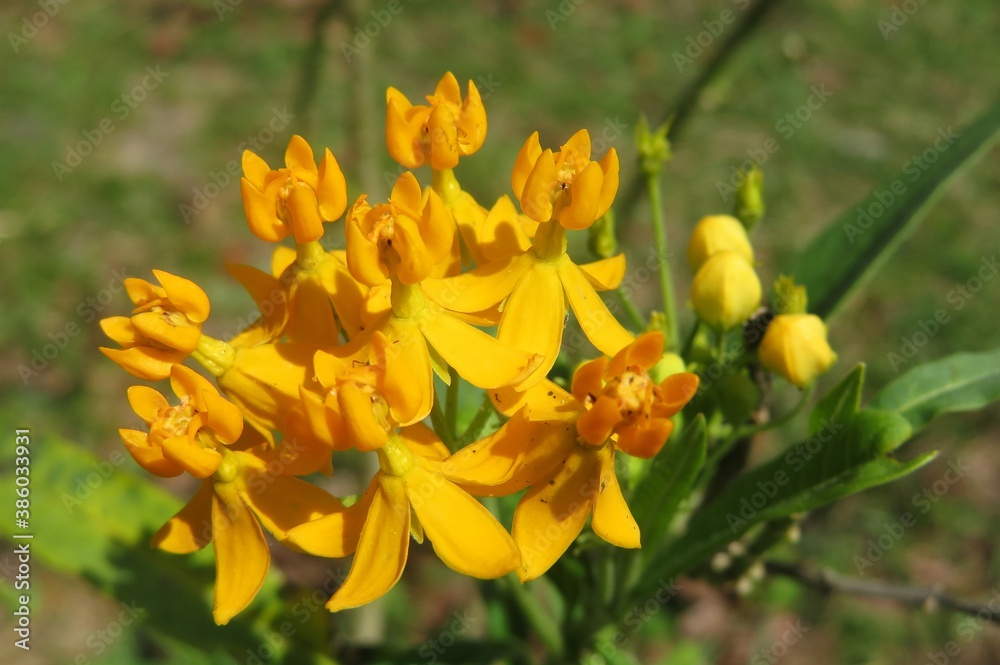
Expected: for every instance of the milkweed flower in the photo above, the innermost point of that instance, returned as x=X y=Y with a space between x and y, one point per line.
x=564 y=445
x=439 y=132
x=164 y=328
x=565 y=186
x=410 y=495
x=795 y=347
x=397 y=244
x=296 y=199
x=725 y=290
x=241 y=489
x=535 y=286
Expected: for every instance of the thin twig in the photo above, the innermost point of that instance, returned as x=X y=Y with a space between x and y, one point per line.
x=828 y=581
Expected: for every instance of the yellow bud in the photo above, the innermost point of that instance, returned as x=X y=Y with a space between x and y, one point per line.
x=726 y=290
x=718 y=233
x=668 y=365
x=795 y=347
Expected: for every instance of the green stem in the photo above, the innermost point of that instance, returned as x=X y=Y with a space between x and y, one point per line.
x=662 y=259
x=746 y=432
x=690 y=340
x=451 y=405
x=478 y=421
x=631 y=310
x=440 y=423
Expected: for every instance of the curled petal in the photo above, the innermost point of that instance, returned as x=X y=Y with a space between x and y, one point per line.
x=199 y=462
x=382 y=549
x=337 y=534
x=598 y=324
x=597 y=424
x=185 y=295
x=463 y=532
x=262 y=217
x=149 y=457
x=586 y=191
x=612 y=519
x=282 y=502
x=525 y=162
x=606 y=274
x=255 y=169
x=609 y=186
x=146 y=402
x=191 y=528
x=331 y=188
x=298 y=155
x=145 y=362
x=536 y=198
x=241 y=554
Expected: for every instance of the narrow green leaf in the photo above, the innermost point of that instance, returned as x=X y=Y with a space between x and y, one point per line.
x=856 y=245
x=841 y=458
x=962 y=382
x=842 y=402
x=668 y=482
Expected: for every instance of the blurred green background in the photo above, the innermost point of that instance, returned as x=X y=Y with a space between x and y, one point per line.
x=200 y=79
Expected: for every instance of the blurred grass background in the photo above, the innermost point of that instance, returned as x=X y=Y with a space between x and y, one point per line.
x=233 y=68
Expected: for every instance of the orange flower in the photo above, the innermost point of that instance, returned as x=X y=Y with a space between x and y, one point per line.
x=438 y=133
x=565 y=186
x=296 y=199
x=563 y=449
x=165 y=326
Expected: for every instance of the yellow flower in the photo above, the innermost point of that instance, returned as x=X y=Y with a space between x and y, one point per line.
x=164 y=328
x=565 y=186
x=296 y=199
x=404 y=238
x=411 y=494
x=562 y=447
x=242 y=489
x=495 y=234
x=437 y=133
x=725 y=290
x=795 y=347
x=718 y=233
x=535 y=286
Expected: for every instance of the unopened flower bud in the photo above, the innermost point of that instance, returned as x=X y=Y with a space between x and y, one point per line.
x=726 y=290
x=795 y=347
x=750 y=198
x=714 y=234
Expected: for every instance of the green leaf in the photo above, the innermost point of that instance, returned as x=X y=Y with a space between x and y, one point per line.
x=841 y=458
x=842 y=402
x=962 y=382
x=92 y=517
x=845 y=254
x=668 y=482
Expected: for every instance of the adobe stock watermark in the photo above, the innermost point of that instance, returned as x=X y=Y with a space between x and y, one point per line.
x=435 y=647
x=966 y=630
x=365 y=33
x=561 y=13
x=958 y=298
x=100 y=641
x=778 y=649
x=914 y=169
x=217 y=181
x=898 y=17
x=302 y=610
x=30 y=25
x=632 y=622
x=765 y=490
x=786 y=127
x=121 y=108
x=87 y=310
x=713 y=29
x=923 y=501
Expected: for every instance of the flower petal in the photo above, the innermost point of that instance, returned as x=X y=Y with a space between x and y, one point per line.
x=422 y=441
x=400 y=137
x=363 y=431
x=612 y=519
x=408 y=384
x=481 y=288
x=191 y=528
x=120 y=330
x=382 y=549
x=609 y=186
x=597 y=424
x=299 y=155
x=199 y=462
x=645 y=438
x=524 y=163
x=337 y=534
x=552 y=513
x=463 y=532
x=261 y=214
x=146 y=402
x=534 y=316
x=588 y=380
x=584 y=198
x=149 y=457
x=536 y=199
x=332 y=188
x=303 y=210
x=480 y=359
x=606 y=274
x=598 y=324
x=282 y=503
x=443 y=131
x=241 y=554
x=255 y=169
x=145 y=362
x=267 y=292
x=161 y=327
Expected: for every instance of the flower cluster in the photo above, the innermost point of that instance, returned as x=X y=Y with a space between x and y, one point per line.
x=346 y=350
